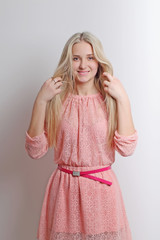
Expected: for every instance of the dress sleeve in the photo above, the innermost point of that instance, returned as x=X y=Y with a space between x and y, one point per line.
x=125 y=145
x=37 y=146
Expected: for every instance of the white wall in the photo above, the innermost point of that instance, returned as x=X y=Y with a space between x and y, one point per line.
x=33 y=34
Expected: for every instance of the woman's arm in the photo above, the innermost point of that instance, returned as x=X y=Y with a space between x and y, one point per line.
x=125 y=137
x=48 y=90
x=115 y=89
x=36 y=126
x=36 y=143
x=125 y=124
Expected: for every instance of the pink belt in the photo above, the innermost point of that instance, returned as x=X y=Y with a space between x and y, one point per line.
x=86 y=174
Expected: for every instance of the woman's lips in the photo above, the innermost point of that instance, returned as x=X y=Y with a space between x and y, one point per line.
x=83 y=72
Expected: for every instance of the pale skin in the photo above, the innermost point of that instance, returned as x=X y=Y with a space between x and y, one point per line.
x=85 y=67
x=114 y=88
x=48 y=91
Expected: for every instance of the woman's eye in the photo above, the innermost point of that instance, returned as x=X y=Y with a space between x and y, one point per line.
x=90 y=58
x=75 y=59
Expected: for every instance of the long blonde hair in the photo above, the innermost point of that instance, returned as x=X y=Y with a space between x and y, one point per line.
x=64 y=70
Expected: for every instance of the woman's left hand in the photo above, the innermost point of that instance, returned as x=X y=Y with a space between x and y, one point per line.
x=114 y=87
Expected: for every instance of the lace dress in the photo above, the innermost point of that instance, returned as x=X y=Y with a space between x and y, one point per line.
x=78 y=208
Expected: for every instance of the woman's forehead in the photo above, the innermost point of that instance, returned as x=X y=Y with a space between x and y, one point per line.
x=82 y=48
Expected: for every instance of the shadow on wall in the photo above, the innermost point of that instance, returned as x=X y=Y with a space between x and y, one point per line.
x=22 y=179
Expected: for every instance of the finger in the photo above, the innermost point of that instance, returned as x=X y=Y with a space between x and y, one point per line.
x=58 y=90
x=58 y=85
x=108 y=76
x=106 y=89
x=106 y=83
x=57 y=79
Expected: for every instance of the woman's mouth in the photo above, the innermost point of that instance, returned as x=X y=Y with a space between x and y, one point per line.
x=83 y=72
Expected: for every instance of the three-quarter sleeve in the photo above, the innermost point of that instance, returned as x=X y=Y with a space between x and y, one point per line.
x=125 y=145
x=37 y=146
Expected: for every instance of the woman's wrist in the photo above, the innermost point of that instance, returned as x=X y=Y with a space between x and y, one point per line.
x=40 y=101
x=123 y=100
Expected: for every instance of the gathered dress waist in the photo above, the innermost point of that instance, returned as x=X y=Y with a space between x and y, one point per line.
x=86 y=174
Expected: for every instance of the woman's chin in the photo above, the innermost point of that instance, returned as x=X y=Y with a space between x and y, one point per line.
x=82 y=79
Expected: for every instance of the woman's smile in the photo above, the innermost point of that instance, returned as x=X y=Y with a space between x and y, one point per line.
x=83 y=72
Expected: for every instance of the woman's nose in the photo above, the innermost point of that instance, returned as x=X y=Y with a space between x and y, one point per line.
x=82 y=63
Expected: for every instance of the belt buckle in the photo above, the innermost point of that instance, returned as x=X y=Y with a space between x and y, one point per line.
x=76 y=174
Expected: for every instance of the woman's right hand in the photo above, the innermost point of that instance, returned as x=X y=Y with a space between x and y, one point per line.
x=49 y=89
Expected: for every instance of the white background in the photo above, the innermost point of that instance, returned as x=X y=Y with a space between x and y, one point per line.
x=33 y=34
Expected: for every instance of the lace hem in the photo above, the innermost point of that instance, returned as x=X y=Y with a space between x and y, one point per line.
x=123 y=234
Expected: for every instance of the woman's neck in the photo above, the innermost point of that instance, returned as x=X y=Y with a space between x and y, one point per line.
x=84 y=90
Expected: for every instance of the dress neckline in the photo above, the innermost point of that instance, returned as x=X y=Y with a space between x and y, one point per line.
x=85 y=96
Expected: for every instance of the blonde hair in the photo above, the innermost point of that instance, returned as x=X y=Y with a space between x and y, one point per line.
x=64 y=70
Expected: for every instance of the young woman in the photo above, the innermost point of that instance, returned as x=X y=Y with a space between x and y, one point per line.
x=84 y=112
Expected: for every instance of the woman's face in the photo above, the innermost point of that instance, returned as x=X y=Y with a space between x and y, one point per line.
x=84 y=64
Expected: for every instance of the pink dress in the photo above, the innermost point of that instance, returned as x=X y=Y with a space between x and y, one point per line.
x=78 y=208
